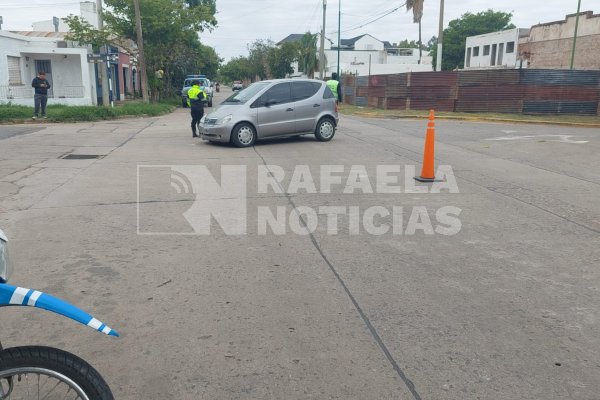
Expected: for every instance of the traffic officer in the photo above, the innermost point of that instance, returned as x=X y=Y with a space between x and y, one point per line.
x=335 y=86
x=196 y=99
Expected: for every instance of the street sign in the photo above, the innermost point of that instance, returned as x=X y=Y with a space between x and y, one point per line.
x=94 y=58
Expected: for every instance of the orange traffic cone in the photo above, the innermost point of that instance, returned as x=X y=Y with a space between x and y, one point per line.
x=428 y=170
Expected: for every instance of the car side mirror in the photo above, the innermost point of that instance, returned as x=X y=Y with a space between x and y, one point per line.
x=269 y=103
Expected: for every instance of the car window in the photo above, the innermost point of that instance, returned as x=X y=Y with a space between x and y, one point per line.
x=246 y=94
x=328 y=94
x=304 y=90
x=203 y=82
x=278 y=94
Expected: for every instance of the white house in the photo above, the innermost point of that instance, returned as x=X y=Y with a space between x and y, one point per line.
x=366 y=54
x=24 y=54
x=494 y=50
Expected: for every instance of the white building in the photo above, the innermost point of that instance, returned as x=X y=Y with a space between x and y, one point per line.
x=494 y=50
x=364 y=55
x=24 y=54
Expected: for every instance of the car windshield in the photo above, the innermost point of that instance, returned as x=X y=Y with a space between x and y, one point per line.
x=203 y=82
x=246 y=94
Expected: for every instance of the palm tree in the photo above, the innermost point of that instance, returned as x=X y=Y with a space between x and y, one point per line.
x=417 y=9
x=308 y=60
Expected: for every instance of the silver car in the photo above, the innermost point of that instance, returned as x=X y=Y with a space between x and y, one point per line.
x=274 y=108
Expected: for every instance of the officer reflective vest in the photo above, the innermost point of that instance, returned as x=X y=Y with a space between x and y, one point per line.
x=333 y=85
x=194 y=93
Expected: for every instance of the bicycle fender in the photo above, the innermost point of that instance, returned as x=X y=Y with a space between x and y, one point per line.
x=18 y=296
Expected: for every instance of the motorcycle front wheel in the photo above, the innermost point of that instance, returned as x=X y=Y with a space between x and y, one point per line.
x=37 y=372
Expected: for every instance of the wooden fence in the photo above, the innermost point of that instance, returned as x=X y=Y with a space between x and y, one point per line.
x=527 y=91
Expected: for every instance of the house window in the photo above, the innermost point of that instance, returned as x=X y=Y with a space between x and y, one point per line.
x=14 y=71
x=510 y=47
x=476 y=51
x=486 y=50
x=468 y=64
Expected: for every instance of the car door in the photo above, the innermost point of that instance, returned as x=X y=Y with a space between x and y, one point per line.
x=275 y=113
x=307 y=105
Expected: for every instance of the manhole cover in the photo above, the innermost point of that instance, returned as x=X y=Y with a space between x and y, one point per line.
x=82 y=156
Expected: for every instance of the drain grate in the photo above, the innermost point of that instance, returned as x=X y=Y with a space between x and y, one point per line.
x=82 y=156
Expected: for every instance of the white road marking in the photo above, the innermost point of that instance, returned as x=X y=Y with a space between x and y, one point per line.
x=559 y=138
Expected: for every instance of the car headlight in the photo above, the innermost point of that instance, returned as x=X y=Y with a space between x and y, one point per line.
x=224 y=120
x=202 y=119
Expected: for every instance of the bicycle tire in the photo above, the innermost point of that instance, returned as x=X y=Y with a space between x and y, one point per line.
x=32 y=359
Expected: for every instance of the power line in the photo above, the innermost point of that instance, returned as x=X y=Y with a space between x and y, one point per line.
x=310 y=20
x=372 y=19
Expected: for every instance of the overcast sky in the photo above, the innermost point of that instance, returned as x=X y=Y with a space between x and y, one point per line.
x=243 y=21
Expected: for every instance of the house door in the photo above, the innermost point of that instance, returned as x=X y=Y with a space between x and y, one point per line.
x=493 y=58
x=44 y=66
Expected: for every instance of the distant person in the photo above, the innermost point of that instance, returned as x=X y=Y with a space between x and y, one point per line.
x=335 y=86
x=40 y=98
x=196 y=99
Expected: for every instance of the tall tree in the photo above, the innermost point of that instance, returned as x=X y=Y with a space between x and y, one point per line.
x=308 y=58
x=281 y=58
x=455 y=35
x=258 y=55
x=170 y=36
x=417 y=8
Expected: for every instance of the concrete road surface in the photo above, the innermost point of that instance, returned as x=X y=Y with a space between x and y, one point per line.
x=506 y=307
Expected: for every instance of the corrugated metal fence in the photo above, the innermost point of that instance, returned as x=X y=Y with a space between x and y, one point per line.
x=528 y=91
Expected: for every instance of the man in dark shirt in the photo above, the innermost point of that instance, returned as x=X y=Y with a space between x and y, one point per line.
x=41 y=86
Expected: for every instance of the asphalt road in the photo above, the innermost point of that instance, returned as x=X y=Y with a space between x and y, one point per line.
x=7 y=131
x=505 y=308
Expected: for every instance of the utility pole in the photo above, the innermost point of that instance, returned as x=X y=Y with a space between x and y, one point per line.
x=140 y=43
x=102 y=67
x=322 y=49
x=339 y=39
x=575 y=36
x=438 y=66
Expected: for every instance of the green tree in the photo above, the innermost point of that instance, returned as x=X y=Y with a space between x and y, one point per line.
x=280 y=60
x=171 y=41
x=258 y=55
x=307 y=54
x=413 y=44
x=431 y=43
x=237 y=69
x=455 y=35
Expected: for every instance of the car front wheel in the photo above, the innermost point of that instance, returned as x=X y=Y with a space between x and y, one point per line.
x=325 y=129
x=243 y=135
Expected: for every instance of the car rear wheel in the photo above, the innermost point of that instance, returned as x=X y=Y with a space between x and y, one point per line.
x=325 y=129
x=210 y=102
x=243 y=135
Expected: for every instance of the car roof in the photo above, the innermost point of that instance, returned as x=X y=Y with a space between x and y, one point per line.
x=292 y=80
